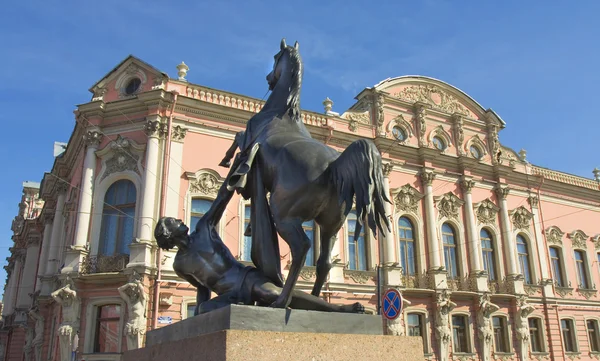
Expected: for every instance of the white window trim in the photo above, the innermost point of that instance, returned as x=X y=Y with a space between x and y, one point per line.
x=418 y=235
x=498 y=253
x=460 y=244
x=426 y=325
x=532 y=255
x=90 y=322
x=100 y=190
x=185 y=302
x=576 y=339
x=544 y=340
x=469 y=331
x=508 y=334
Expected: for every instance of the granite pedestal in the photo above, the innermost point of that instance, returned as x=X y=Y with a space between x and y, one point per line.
x=261 y=333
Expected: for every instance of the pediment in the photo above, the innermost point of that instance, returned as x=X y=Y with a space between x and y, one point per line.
x=112 y=86
x=204 y=182
x=438 y=95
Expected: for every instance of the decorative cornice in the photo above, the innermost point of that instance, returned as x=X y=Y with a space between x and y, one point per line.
x=178 y=133
x=448 y=205
x=407 y=199
x=554 y=235
x=92 y=138
x=467 y=184
x=154 y=128
x=486 y=211
x=533 y=201
x=433 y=96
x=205 y=182
x=521 y=218
x=427 y=177
x=502 y=191
x=578 y=239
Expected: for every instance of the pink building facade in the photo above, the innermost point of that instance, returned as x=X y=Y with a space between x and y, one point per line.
x=496 y=258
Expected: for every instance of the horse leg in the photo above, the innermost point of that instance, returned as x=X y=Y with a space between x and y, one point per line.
x=329 y=224
x=293 y=234
x=226 y=161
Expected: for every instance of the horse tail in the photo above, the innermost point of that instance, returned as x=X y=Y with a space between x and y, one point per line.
x=358 y=172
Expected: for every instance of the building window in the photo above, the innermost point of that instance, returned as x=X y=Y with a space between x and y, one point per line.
x=556 y=266
x=580 y=264
x=199 y=208
x=523 y=252
x=116 y=232
x=450 y=250
x=535 y=334
x=309 y=229
x=459 y=333
x=357 y=253
x=406 y=237
x=247 y=244
x=475 y=152
x=439 y=143
x=416 y=327
x=399 y=133
x=107 y=329
x=132 y=86
x=568 y=332
x=487 y=250
x=191 y=308
x=500 y=334
x=592 y=329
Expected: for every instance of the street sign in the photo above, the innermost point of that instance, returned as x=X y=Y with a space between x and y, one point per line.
x=165 y=319
x=391 y=304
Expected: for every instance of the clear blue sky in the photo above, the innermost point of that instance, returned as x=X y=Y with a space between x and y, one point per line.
x=534 y=62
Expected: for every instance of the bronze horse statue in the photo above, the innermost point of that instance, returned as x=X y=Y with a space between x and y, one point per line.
x=306 y=179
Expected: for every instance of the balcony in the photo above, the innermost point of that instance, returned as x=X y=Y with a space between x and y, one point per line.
x=104 y=264
x=422 y=281
x=459 y=284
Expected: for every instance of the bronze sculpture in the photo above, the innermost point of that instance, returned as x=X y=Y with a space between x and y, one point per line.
x=205 y=262
x=306 y=179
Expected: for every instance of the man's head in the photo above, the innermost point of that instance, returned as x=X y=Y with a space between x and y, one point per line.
x=170 y=232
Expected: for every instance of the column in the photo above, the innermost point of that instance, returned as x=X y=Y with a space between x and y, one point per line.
x=29 y=274
x=480 y=282
x=174 y=199
x=57 y=225
x=541 y=249
x=427 y=177
x=9 y=293
x=140 y=251
x=74 y=254
x=509 y=244
x=392 y=271
x=14 y=294
x=46 y=239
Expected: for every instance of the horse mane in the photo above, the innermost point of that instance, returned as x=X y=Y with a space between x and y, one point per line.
x=297 y=69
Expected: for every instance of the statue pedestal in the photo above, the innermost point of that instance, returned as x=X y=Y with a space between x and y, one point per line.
x=258 y=333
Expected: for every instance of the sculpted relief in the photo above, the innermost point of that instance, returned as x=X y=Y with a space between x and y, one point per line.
x=407 y=199
x=434 y=96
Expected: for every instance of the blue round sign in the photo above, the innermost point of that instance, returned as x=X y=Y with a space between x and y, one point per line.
x=391 y=304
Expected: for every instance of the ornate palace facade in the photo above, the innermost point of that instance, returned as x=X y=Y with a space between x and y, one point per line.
x=496 y=258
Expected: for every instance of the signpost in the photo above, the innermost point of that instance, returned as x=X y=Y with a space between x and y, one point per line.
x=391 y=304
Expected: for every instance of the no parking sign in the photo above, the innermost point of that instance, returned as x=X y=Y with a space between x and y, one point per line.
x=391 y=304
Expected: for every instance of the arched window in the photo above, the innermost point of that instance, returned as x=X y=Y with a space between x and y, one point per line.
x=309 y=229
x=450 y=250
x=357 y=253
x=487 y=250
x=118 y=214
x=408 y=256
x=199 y=208
x=581 y=264
x=556 y=266
x=247 y=244
x=523 y=252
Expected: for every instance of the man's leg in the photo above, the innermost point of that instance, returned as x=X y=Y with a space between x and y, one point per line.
x=266 y=293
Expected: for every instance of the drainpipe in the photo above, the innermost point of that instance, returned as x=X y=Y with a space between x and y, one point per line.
x=163 y=200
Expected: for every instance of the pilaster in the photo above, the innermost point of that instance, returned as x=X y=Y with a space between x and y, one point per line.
x=546 y=278
x=513 y=275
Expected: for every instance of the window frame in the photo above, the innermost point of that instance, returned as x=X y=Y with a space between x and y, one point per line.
x=597 y=334
x=506 y=333
x=574 y=337
x=561 y=265
x=542 y=334
x=528 y=257
x=242 y=225
x=586 y=272
x=495 y=255
x=468 y=332
x=456 y=246
x=119 y=241
x=90 y=327
x=414 y=244
x=349 y=236
x=424 y=314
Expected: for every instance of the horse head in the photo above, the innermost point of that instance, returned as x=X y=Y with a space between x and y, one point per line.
x=286 y=75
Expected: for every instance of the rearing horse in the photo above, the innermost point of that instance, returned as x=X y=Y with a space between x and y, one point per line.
x=307 y=180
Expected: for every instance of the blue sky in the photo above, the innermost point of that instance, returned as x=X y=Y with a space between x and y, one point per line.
x=534 y=62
